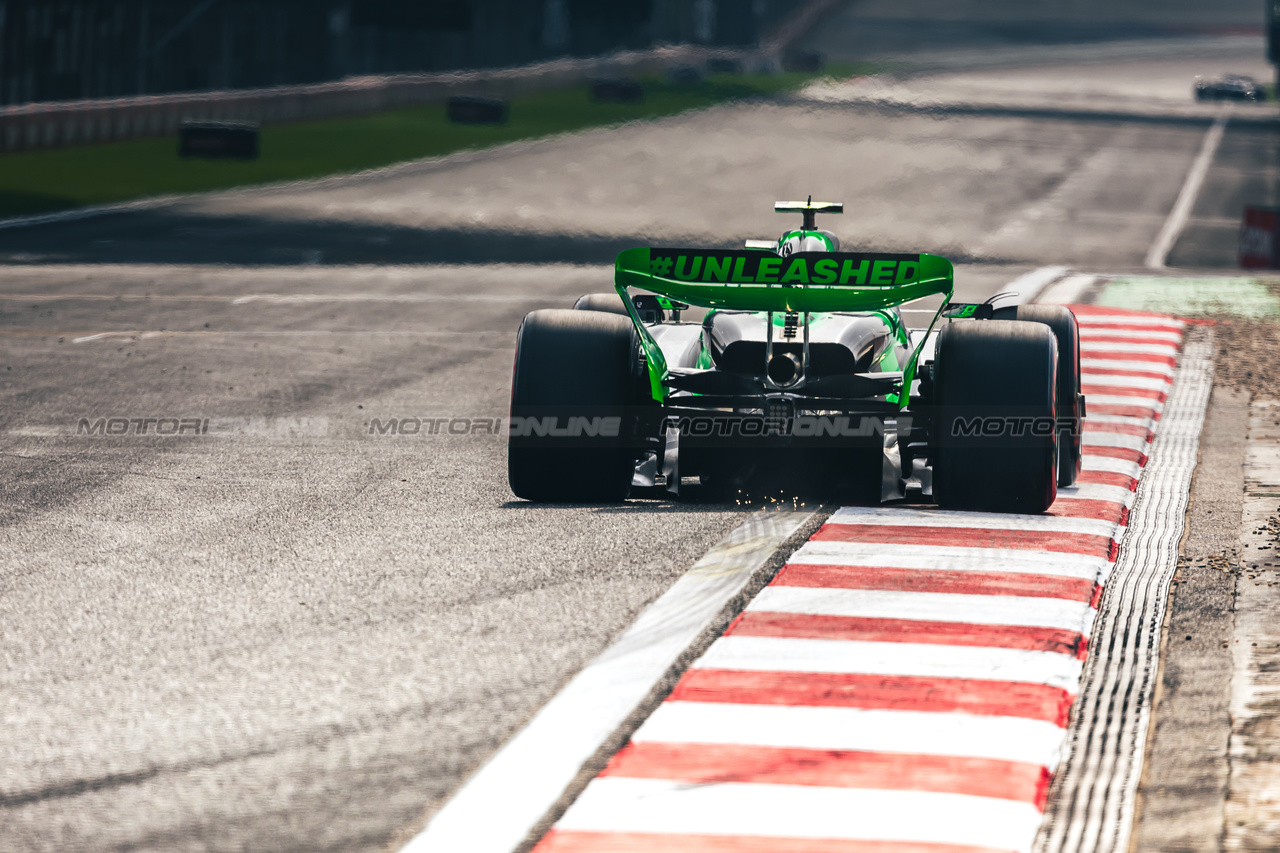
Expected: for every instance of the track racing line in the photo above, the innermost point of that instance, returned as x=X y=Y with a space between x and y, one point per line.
x=904 y=684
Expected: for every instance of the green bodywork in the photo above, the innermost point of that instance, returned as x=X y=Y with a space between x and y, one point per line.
x=807 y=282
x=801 y=234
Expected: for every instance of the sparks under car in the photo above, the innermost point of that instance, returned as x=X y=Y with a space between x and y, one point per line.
x=801 y=373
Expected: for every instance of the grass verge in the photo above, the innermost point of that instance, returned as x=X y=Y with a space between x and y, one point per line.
x=45 y=181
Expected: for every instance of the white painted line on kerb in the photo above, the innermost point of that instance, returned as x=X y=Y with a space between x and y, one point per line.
x=950 y=733
x=939 y=518
x=1177 y=220
x=1110 y=464
x=1093 y=422
x=1120 y=380
x=1088 y=345
x=505 y=800
x=948 y=558
x=1173 y=336
x=1096 y=492
x=1121 y=400
x=1023 y=611
x=890 y=660
x=1104 y=320
x=1092 y=365
x=1113 y=439
x=784 y=812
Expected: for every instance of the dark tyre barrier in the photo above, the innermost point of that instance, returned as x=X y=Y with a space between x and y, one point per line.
x=573 y=367
x=723 y=65
x=1070 y=404
x=620 y=90
x=609 y=303
x=466 y=109
x=995 y=409
x=230 y=140
x=805 y=60
x=684 y=75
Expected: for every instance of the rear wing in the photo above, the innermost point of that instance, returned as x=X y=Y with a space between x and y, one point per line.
x=805 y=282
x=748 y=280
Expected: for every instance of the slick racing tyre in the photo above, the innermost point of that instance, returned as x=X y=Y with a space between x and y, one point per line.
x=1070 y=404
x=994 y=437
x=577 y=376
x=609 y=303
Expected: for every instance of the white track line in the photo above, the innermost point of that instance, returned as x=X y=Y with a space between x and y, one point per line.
x=1159 y=252
x=505 y=800
x=278 y=298
x=1031 y=284
x=87 y=212
x=279 y=333
x=1067 y=290
x=612 y=804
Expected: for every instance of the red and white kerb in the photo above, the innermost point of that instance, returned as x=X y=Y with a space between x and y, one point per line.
x=904 y=683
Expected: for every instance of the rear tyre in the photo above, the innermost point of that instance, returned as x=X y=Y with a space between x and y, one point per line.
x=1070 y=415
x=576 y=380
x=608 y=303
x=995 y=442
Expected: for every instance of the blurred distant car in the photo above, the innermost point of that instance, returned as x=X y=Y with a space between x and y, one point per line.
x=1232 y=87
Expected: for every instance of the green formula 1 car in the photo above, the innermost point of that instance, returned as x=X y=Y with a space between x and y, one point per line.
x=800 y=374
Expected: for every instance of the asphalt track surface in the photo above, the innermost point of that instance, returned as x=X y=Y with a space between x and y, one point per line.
x=296 y=636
